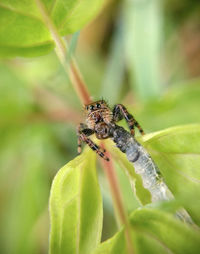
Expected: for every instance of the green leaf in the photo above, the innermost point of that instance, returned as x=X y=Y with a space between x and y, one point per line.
x=153 y=232
x=115 y=245
x=176 y=151
x=71 y=15
x=166 y=231
x=76 y=207
x=131 y=201
x=23 y=32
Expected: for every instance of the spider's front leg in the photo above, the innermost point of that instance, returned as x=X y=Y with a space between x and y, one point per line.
x=82 y=128
x=120 y=112
x=83 y=132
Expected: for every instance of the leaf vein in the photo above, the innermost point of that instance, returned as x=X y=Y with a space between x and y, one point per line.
x=70 y=14
x=155 y=238
x=52 y=7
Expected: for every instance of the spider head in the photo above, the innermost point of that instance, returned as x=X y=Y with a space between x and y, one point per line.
x=97 y=112
x=96 y=106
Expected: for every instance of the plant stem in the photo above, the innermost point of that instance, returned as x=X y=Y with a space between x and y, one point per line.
x=118 y=201
x=61 y=50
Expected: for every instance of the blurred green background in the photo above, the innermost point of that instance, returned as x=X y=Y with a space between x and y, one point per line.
x=144 y=54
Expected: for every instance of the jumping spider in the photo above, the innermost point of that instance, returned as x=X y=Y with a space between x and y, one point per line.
x=100 y=120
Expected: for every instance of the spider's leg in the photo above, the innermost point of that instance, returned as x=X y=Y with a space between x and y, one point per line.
x=92 y=145
x=119 y=112
x=83 y=132
x=82 y=128
x=79 y=149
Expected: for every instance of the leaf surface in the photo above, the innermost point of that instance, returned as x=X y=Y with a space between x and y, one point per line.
x=141 y=193
x=23 y=32
x=176 y=151
x=76 y=207
x=166 y=230
x=154 y=232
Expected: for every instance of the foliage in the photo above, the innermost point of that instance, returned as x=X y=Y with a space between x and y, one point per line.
x=26 y=34
x=152 y=230
x=39 y=111
x=76 y=207
x=176 y=152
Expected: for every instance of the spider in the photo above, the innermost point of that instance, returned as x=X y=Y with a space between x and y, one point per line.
x=100 y=120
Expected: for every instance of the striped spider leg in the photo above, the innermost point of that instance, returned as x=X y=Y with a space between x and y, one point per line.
x=120 y=112
x=83 y=132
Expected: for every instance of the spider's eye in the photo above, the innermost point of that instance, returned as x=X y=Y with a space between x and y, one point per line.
x=98 y=105
x=91 y=107
x=87 y=107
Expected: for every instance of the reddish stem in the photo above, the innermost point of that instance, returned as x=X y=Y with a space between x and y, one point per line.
x=61 y=50
x=78 y=83
x=117 y=198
